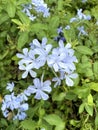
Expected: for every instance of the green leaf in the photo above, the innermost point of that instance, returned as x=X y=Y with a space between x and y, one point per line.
x=95 y=67
x=16 y=21
x=81 y=108
x=4 y=122
x=89 y=109
x=82 y=92
x=60 y=5
x=70 y=96
x=3 y=17
x=28 y=124
x=94 y=86
x=84 y=50
x=96 y=121
x=58 y=97
x=11 y=9
x=90 y=100
x=54 y=119
x=54 y=22
x=23 y=17
x=23 y=38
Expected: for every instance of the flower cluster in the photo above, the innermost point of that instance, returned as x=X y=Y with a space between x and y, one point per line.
x=80 y=16
x=61 y=60
x=14 y=104
x=39 y=6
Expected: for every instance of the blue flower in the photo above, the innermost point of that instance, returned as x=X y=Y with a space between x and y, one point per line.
x=80 y=16
x=67 y=27
x=10 y=86
x=39 y=88
x=57 y=81
x=69 y=78
x=28 y=69
x=82 y=31
x=41 y=7
x=15 y=104
x=60 y=30
x=41 y=50
x=83 y=1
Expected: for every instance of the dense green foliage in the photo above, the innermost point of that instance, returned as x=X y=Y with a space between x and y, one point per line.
x=68 y=108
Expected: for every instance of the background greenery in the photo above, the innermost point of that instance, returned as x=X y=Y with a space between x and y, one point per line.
x=68 y=108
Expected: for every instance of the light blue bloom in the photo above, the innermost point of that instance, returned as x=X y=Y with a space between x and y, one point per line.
x=41 y=50
x=69 y=78
x=67 y=27
x=73 y=19
x=10 y=86
x=24 y=55
x=60 y=30
x=82 y=31
x=62 y=58
x=40 y=88
x=21 y=115
x=83 y=1
x=57 y=81
x=41 y=7
x=80 y=16
x=28 y=70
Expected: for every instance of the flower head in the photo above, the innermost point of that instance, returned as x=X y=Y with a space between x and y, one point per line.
x=10 y=86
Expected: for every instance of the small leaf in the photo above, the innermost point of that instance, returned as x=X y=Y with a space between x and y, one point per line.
x=96 y=121
x=89 y=109
x=90 y=99
x=94 y=86
x=95 y=67
x=54 y=119
x=23 y=17
x=16 y=21
x=28 y=124
x=11 y=9
x=84 y=50
x=81 y=108
x=23 y=38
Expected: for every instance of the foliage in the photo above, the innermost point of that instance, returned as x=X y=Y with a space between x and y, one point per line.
x=68 y=107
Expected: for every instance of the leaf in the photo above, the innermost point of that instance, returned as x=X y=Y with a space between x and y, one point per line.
x=96 y=121
x=54 y=22
x=3 y=17
x=58 y=97
x=70 y=96
x=82 y=92
x=81 y=108
x=94 y=86
x=89 y=109
x=23 y=38
x=84 y=50
x=95 y=67
x=11 y=9
x=60 y=5
x=16 y=21
x=23 y=17
x=4 y=122
x=54 y=119
x=28 y=124
x=90 y=99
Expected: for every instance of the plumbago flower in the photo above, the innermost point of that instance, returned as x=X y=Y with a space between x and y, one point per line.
x=40 y=89
x=61 y=62
x=35 y=58
x=60 y=59
x=39 y=6
x=10 y=86
x=15 y=104
x=80 y=16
